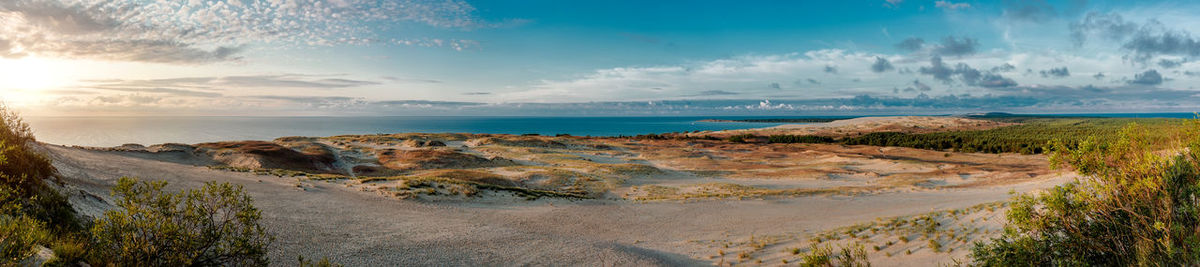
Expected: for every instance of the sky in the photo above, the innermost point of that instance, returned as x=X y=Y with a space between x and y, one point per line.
x=582 y=58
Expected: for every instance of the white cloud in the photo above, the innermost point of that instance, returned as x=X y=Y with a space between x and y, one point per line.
x=211 y=31
x=947 y=5
x=756 y=77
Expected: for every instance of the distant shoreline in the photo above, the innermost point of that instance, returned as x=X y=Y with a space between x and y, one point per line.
x=782 y=120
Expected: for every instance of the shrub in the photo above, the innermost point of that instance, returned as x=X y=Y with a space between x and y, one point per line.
x=787 y=138
x=18 y=235
x=1134 y=205
x=214 y=225
x=742 y=138
x=68 y=251
x=851 y=255
x=324 y=262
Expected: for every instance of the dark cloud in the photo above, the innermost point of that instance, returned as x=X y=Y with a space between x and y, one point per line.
x=811 y=81
x=1056 y=72
x=1004 y=68
x=991 y=80
x=714 y=93
x=1109 y=26
x=966 y=74
x=911 y=44
x=1171 y=64
x=477 y=93
x=1149 y=77
x=1099 y=75
x=1144 y=43
x=774 y=86
x=1029 y=10
x=937 y=69
x=951 y=46
x=830 y=69
x=881 y=65
x=1126 y=96
x=918 y=86
x=1147 y=44
x=924 y=101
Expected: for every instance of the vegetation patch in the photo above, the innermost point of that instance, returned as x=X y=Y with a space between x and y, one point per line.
x=1136 y=205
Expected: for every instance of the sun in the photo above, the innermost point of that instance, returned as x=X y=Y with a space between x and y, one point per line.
x=26 y=74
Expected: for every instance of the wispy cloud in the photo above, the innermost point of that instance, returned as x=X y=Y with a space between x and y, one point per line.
x=947 y=5
x=949 y=46
x=191 y=32
x=280 y=81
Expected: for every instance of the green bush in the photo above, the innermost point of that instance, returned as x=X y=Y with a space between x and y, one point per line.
x=68 y=251
x=742 y=138
x=1137 y=204
x=1033 y=137
x=214 y=225
x=850 y=255
x=324 y=262
x=18 y=235
x=809 y=139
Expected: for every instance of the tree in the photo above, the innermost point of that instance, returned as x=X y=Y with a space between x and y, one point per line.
x=214 y=225
x=1136 y=204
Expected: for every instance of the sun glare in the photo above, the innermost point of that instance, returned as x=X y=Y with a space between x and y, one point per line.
x=26 y=74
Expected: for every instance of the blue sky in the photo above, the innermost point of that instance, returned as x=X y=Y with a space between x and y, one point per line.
x=431 y=57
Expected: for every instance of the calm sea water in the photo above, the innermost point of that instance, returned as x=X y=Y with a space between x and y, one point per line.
x=113 y=131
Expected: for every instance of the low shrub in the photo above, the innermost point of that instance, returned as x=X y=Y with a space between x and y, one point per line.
x=214 y=225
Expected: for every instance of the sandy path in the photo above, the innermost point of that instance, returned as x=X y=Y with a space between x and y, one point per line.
x=361 y=229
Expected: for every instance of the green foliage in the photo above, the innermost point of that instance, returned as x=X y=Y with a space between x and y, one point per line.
x=68 y=251
x=214 y=225
x=808 y=139
x=851 y=255
x=324 y=262
x=18 y=235
x=22 y=171
x=1030 y=138
x=742 y=138
x=31 y=212
x=1137 y=204
x=817 y=256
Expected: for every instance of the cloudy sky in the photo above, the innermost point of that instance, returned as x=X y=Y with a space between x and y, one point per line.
x=431 y=57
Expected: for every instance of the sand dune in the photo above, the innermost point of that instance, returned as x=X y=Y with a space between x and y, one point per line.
x=361 y=228
x=535 y=200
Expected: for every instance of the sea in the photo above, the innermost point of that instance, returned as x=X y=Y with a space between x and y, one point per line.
x=114 y=131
